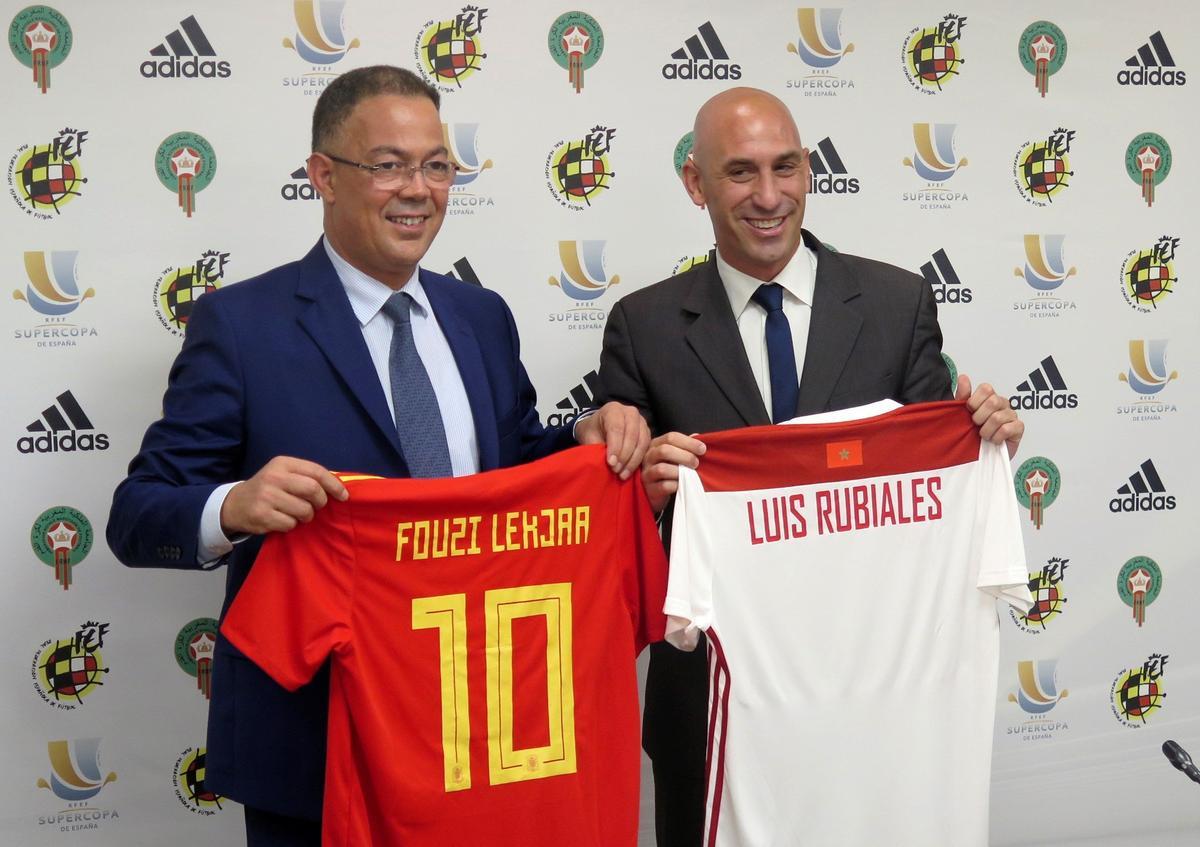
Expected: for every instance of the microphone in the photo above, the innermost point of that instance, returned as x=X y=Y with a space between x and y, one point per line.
x=1179 y=757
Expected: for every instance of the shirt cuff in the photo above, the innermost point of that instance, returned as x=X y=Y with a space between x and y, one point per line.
x=212 y=544
x=584 y=415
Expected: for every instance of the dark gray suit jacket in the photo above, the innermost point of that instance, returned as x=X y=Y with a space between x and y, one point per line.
x=673 y=350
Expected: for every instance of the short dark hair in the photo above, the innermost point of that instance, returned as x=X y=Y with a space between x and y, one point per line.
x=338 y=100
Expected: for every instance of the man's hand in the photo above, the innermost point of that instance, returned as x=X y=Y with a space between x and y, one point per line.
x=660 y=469
x=996 y=420
x=624 y=431
x=285 y=492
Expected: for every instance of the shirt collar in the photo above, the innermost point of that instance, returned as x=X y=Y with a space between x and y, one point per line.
x=797 y=279
x=367 y=294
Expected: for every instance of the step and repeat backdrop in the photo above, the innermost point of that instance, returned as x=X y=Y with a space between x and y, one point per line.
x=1036 y=163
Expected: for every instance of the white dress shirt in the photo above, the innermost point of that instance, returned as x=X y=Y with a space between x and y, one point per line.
x=797 y=280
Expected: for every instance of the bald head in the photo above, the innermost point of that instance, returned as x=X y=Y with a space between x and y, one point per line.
x=749 y=111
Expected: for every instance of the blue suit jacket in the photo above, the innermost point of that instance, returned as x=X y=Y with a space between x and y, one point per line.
x=277 y=365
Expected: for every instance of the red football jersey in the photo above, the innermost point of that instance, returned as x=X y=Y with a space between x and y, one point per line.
x=482 y=633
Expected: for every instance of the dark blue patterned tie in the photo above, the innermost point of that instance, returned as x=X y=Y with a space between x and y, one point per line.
x=781 y=355
x=418 y=418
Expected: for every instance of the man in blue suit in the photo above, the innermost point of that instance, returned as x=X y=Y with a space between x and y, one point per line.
x=351 y=359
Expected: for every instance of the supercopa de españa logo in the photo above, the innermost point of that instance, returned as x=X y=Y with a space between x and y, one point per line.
x=185 y=163
x=195 y=646
x=462 y=144
x=1042 y=49
x=65 y=671
x=190 y=787
x=41 y=39
x=1137 y=694
x=1045 y=271
x=1037 y=694
x=935 y=162
x=76 y=778
x=1148 y=275
x=1042 y=169
x=450 y=52
x=576 y=44
x=932 y=55
x=1139 y=582
x=178 y=288
x=578 y=171
x=583 y=278
x=53 y=292
x=61 y=538
x=1048 y=589
x=1147 y=375
x=45 y=177
x=1148 y=162
x=821 y=48
x=1038 y=483
x=320 y=40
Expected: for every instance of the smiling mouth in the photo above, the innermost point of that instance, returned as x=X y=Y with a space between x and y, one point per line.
x=406 y=220
x=764 y=223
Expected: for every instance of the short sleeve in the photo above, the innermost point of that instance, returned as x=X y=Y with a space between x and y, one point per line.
x=689 y=581
x=294 y=608
x=1000 y=549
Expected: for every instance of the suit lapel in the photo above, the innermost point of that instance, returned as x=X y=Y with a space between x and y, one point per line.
x=714 y=338
x=330 y=322
x=469 y=358
x=832 y=331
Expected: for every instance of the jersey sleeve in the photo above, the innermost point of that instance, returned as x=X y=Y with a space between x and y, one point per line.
x=999 y=548
x=294 y=608
x=689 y=581
x=646 y=578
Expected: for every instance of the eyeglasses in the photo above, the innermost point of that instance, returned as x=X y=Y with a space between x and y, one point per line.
x=392 y=174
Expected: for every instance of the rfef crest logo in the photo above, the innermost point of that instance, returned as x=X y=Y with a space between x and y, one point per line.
x=67 y=670
x=579 y=171
x=195 y=646
x=1048 y=589
x=933 y=54
x=686 y=263
x=1138 y=693
x=821 y=47
x=1042 y=49
x=1037 y=694
x=320 y=36
x=450 y=52
x=61 y=538
x=1045 y=270
x=1148 y=162
x=1139 y=583
x=189 y=779
x=583 y=276
x=1042 y=169
x=1147 y=276
x=185 y=163
x=576 y=44
x=41 y=39
x=49 y=176
x=178 y=289
x=1038 y=483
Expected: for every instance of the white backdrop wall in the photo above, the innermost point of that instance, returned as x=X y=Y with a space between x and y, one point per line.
x=87 y=338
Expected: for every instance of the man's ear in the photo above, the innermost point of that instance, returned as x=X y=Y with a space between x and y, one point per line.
x=691 y=181
x=320 y=174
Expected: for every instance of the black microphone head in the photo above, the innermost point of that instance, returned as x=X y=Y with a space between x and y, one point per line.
x=1177 y=756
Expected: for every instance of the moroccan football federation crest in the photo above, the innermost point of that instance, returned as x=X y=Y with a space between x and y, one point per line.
x=1042 y=50
x=450 y=52
x=189 y=780
x=933 y=55
x=320 y=38
x=1048 y=589
x=1138 y=693
x=194 y=649
x=61 y=538
x=185 y=163
x=1042 y=169
x=576 y=43
x=1038 y=483
x=178 y=289
x=1139 y=583
x=682 y=151
x=41 y=39
x=583 y=276
x=1148 y=276
x=44 y=177
x=950 y=366
x=67 y=670
x=1148 y=162
x=579 y=171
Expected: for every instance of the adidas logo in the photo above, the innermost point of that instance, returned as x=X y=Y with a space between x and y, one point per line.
x=302 y=189
x=702 y=56
x=1045 y=389
x=466 y=273
x=581 y=397
x=1152 y=64
x=827 y=173
x=1144 y=492
x=941 y=276
x=61 y=429
x=178 y=57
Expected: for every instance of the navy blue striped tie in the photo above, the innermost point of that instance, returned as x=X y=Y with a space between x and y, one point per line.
x=781 y=355
x=418 y=418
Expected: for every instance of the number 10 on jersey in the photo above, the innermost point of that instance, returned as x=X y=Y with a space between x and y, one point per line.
x=447 y=614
